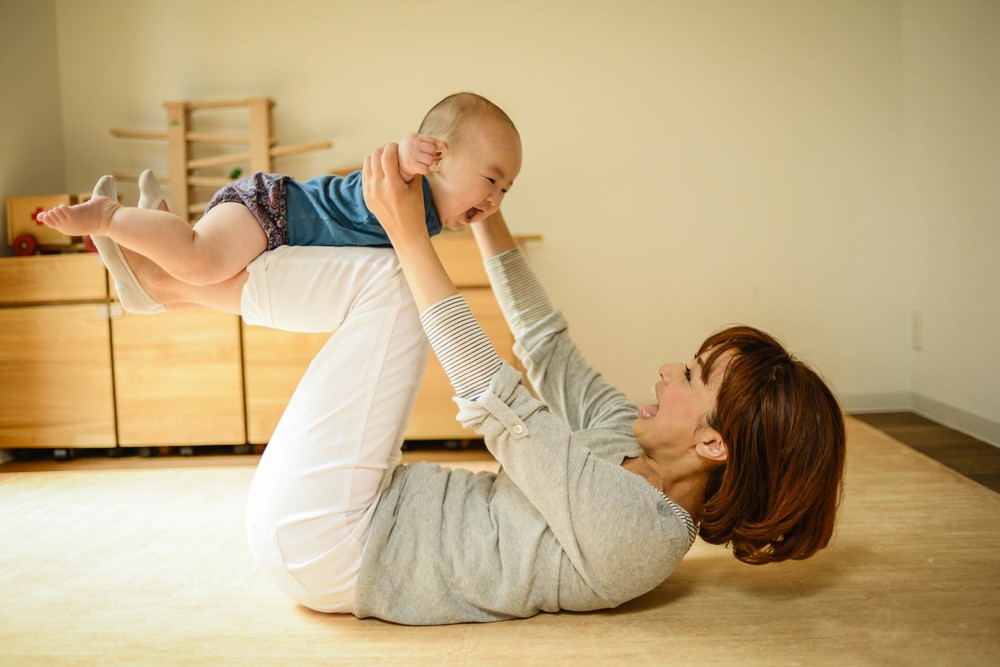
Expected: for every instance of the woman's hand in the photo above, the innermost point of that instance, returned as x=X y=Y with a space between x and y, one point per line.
x=398 y=205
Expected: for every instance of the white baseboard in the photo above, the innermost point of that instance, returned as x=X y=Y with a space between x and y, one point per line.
x=978 y=427
x=854 y=403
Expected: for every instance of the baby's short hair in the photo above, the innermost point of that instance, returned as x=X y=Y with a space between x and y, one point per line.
x=456 y=114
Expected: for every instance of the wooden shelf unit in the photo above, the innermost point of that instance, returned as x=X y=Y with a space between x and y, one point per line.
x=183 y=141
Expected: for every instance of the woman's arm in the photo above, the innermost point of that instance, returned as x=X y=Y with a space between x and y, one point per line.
x=493 y=236
x=399 y=207
x=460 y=344
x=557 y=370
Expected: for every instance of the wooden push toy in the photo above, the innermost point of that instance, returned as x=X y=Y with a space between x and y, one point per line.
x=26 y=235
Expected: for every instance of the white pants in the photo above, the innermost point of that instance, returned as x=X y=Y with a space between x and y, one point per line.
x=334 y=450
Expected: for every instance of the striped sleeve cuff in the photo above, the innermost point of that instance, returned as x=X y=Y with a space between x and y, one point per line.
x=521 y=296
x=460 y=344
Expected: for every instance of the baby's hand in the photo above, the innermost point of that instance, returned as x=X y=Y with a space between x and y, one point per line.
x=419 y=154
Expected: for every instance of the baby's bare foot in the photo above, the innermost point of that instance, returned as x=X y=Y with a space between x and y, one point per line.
x=92 y=217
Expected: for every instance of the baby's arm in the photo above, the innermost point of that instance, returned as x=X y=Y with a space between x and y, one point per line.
x=419 y=154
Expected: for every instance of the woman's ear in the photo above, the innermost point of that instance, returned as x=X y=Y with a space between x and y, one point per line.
x=711 y=446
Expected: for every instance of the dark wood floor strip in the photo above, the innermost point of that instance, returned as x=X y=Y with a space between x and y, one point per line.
x=975 y=459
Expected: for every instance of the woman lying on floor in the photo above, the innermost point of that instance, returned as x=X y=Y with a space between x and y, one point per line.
x=596 y=501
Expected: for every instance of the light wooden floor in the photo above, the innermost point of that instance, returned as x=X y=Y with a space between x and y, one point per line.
x=148 y=566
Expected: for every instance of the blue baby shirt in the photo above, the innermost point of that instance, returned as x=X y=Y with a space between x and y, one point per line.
x=330 y=210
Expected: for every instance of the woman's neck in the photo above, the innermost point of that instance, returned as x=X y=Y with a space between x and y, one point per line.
x=682 y=481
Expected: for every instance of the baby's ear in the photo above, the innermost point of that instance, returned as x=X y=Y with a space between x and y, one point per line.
x=440 y=150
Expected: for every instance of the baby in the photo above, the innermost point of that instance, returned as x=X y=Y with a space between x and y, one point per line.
x=467 y=151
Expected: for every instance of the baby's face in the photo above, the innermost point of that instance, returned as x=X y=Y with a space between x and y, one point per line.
x=475 y=175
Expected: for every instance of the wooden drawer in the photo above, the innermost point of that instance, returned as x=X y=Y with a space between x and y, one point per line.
x=52 y=278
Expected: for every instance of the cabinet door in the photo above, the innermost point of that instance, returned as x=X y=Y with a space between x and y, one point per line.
x=178 y=379
x=55 y=377
x=274 y=362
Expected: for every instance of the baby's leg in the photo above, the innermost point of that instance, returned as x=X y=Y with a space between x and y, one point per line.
x=175 y=294
x=333 y=451
x=218 y=247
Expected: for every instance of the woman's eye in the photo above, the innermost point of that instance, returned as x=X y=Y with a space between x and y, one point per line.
x=687 y=373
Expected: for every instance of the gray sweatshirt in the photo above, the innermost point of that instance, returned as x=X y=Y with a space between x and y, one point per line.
x=561 y=526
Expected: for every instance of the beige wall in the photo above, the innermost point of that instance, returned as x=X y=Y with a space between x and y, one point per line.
x=689 y=164
x=31 y=138
x=951 y=66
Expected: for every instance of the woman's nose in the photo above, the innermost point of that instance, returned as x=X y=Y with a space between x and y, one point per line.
x=668 y=371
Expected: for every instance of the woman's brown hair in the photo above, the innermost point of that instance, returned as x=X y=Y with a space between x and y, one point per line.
x=776 y=497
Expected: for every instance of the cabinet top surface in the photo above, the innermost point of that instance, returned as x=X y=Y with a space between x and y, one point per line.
x=48 y=278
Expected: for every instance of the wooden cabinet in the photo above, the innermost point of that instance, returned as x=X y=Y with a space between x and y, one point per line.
x=75 y=371
x=178 y=379
x=276 y=360
x=56 y=387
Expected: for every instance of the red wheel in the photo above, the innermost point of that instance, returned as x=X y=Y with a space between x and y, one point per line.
x=88 y=244
x=24 y=245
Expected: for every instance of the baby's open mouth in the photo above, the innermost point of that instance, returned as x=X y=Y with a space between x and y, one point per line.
x=471 y=214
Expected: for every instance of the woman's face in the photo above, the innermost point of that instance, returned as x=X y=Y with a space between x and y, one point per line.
x=683 y=403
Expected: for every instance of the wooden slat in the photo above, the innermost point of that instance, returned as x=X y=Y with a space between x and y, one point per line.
x=293 y=149
x=178 y=119
x=124 y=133
x=222 y=104
x=260 y=126
x=200 y=137
x=208 y=181
x=219 y=160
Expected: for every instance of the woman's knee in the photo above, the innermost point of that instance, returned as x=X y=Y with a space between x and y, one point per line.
x=313 y=567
